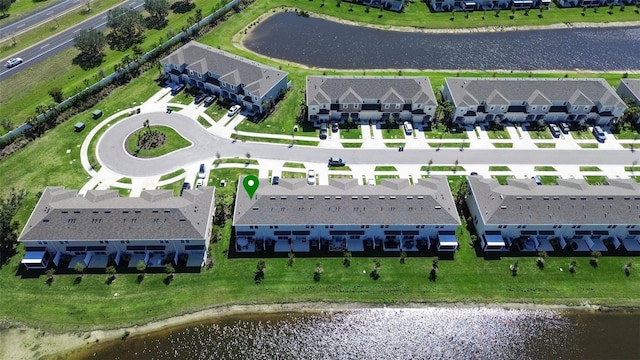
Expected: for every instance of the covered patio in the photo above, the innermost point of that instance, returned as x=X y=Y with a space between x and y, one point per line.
x=36 y=260
x=447 y=241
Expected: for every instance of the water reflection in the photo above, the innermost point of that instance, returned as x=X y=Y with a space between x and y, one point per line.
x=426 y=333
x=321 y=43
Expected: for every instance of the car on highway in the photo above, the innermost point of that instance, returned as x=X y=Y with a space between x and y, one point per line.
x=336 y=162
x=13 y=62
x=234 y=110
x=311 y=177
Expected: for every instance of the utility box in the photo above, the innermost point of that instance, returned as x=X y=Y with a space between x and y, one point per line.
x=96 y=114
x=79 y=126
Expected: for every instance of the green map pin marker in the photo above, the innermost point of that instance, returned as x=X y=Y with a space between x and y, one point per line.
x=251 y=184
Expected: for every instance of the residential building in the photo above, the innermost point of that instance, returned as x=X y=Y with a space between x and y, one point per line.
x=572 y=215
x=630 y=89
x=392 y=5
x=372 y=99
x=594 y=3
x=102 y=229
x=575 y=101
x=245 y=82
x=483 y=5
x=346 y=216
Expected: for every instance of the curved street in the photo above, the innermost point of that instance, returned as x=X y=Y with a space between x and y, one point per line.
x=112 y=154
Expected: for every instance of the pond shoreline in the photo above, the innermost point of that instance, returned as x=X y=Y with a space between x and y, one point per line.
x=238 y=41
x=22 y=342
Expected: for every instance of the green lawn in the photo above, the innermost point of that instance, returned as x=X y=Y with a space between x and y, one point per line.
x=340 y=176
x=352 y=145
x=503 y=145
x=174 y=141
x=449 y=145
x=440 y=131
x=380 y=177
x=549 y=179
x=339 y=168
x=235 y=160
x=540 y=134
x=588 y=145
x=175 y=186
x=589 y=168
x=385 y=168
x=581 y=134
x=394 y=145
x=203 y=122
x=546 y=145
x=498 y=134
x=442 y=168
x=293 y=175
x=275 y=141
x=351 y=133
x=596 y=180
x=544 y=168
x=502 y=179
x=294 y=165
x=499 y=168
x=172 y=175
x=632 y=168
x=392 y=133
x=215 y=112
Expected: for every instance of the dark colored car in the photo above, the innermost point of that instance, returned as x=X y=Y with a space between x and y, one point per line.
x=335 y=127
x=564 y=127
x=275 y=180
x=336 y=162
x=176 y=89
x=199 y=98
x=185 y=186
x=209 y=100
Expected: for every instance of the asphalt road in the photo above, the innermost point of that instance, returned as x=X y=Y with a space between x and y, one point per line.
x=60 y=42
x=111 y=152
x=45 y=14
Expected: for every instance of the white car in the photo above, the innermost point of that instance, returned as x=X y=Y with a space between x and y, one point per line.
x=13 y=62
x=199 y=183
x=234 y=110
x=311 y=177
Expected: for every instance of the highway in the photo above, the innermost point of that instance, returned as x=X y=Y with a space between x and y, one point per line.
x=60 y=42
x=41 y=16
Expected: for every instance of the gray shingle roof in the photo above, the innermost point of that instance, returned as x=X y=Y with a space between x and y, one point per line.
x=633 y=85
x=584 y=91
x=102 y=215
x=344 y=202
x=405 y=89
x=572 y=201
x=230 y=68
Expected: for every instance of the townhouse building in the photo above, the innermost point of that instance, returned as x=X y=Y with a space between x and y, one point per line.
x=373 y=99
x=575 y=101
x=242 y=81
x=345 y=216
x=102 y=229
x=594 y=3
x=630 y=89
x=570 y=216
x=483 y=5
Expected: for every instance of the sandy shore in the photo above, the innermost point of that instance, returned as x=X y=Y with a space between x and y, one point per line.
x=21 y=342
x=238 y=39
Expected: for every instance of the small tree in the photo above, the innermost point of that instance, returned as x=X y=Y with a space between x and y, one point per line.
x=375 y=275
x=317 y=272
x=346 y=259
x=50 y=276
x=248 y=155
x=435 y=262
x=594 y=258
x=572 y=266
x=541 y=258
x=4 y=6
x=260 y=267
x=111 y=271
x=514 y=268
x=56 y=94
x=79 y=267
x=292 y=258
x=403 y=257
x=141 y=266
x=627 y=268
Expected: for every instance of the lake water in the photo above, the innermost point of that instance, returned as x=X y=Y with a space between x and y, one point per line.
x=326 y=44
x=385 y=333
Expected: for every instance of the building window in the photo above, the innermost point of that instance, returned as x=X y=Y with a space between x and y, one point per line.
x=386 y=106
x=397 y=106
x=355 y=106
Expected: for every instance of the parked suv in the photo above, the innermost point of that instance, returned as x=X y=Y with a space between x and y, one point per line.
x=598 y=134
x=13 y=62
x=201 y=172
x=336 y=162
x=323 y=131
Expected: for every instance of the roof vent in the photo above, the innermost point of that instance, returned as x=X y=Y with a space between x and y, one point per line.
x=255 y=208
x=327 y=197
x=438 y=207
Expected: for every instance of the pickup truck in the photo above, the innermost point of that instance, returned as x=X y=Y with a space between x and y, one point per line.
x=336 y=162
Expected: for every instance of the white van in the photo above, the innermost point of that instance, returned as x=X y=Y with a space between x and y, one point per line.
x=408 y=128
